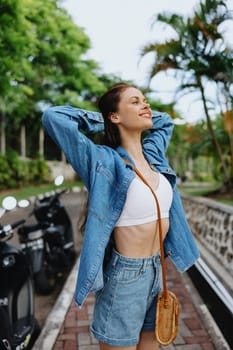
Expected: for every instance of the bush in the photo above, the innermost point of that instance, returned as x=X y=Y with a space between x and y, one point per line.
x=16 y=172
x=39 y=171
x=4 y=173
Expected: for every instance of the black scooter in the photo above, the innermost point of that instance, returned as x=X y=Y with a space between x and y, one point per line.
x=18 y=326
x=49 y=243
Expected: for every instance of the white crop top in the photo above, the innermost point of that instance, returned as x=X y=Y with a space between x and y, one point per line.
x=140 y=207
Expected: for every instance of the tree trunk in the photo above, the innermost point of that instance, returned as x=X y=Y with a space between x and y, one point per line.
x=23 y=141
x=212 y=132
x=63 y=158
x=3 y=135
x=41 y=142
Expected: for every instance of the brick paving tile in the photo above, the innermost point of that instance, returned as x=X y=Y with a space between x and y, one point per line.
x=70 y=345
x=75 y=333
x=208 y=346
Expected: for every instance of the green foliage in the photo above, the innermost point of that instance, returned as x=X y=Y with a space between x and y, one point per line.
x=196 y=55
x=16 y=172
x=42 y=61
x=191 y=150
x=197 y=48
x=17 y=45
x=4 y=173
x=38 y=170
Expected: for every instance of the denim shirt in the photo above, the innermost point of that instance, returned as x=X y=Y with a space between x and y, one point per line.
x=107 y=178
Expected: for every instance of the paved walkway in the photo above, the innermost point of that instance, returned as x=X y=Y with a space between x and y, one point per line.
x=197 y=330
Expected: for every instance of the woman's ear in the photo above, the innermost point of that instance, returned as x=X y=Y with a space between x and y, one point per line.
x=114 y=117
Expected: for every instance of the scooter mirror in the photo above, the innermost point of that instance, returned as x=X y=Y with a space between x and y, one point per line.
x=59 y=180
x=23 y=203
x=9 y=203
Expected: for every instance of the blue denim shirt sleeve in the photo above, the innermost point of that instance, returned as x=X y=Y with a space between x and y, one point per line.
x=63 y=124
x=160 y=133
x=91 y=122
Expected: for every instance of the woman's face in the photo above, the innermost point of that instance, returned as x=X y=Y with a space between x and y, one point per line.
x=134 y=112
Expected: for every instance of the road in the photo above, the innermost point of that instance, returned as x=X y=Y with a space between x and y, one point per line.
x=74 y=203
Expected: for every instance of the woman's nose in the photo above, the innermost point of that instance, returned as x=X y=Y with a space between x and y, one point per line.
x=146 y=105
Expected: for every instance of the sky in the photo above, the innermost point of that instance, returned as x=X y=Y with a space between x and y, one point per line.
x=119 y=29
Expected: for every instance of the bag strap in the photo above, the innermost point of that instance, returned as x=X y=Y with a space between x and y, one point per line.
x=165 y=291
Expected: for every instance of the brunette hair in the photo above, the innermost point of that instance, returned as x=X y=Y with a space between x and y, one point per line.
x=108 y=103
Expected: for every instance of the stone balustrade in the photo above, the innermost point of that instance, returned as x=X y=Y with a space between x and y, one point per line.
x=212 y=225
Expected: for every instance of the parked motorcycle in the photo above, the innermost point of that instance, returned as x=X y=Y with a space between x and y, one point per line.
x=18 y=326
x=49 y=243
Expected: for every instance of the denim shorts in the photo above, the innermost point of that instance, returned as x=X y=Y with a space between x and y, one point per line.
x=126 y=305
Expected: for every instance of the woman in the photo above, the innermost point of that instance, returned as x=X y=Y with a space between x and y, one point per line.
x=120 y=258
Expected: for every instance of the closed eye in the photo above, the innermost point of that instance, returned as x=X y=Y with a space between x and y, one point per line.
x=136 y=100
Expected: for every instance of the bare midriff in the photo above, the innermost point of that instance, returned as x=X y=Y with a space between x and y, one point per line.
x=139 y=241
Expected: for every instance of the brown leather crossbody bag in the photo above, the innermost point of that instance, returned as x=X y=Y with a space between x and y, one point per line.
x=167 y=309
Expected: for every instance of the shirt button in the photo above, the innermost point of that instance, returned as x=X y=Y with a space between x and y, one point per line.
x=168 y=170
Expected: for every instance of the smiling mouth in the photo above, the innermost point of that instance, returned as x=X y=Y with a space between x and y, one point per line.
x=146 y=115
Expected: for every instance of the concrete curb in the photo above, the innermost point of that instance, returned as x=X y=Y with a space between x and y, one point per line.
x=52 y=326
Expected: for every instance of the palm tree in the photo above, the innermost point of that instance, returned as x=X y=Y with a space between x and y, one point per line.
x=195 y=55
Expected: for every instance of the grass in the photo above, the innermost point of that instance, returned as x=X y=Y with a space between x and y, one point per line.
x=205 y=191
x=30 y=191
x=226 y=201
x=195 y=190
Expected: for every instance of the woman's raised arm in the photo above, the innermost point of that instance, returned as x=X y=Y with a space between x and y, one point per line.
x=64 y=125
x=160 y=133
